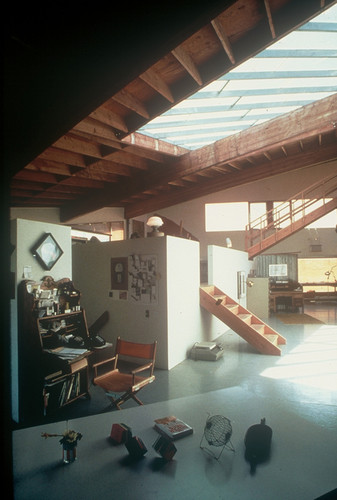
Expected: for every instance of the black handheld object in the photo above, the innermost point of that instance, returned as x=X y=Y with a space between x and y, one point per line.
x=258 y=443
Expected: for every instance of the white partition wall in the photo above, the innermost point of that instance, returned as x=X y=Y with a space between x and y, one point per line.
x=224 y=264
x=24 y=235
x=183 y=303
x=171 y=316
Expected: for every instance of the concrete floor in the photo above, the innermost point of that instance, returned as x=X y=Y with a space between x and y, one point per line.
x=306 y=373
x=296 y=392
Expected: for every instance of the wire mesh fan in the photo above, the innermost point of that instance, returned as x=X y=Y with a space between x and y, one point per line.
x=217 y=432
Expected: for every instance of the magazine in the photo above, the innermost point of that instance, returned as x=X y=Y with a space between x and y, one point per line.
x=172 y=427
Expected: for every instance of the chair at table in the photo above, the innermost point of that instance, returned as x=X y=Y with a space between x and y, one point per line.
x=120 y=386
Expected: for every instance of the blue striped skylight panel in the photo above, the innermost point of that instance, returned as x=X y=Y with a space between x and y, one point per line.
x=280 y=79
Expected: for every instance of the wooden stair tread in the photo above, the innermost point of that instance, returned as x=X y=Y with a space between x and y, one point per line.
x=272 y=338
x=243 y=322
x=232 y=306
x=245 y=317
x=258 y=327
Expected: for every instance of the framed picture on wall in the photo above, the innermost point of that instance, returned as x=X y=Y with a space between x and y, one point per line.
x=119 y=273
x=47 y=251
x=278 y=270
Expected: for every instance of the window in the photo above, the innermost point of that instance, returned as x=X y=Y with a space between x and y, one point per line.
x=103 y=231
x=320 y=272
x=226 y=216
x=231 y=216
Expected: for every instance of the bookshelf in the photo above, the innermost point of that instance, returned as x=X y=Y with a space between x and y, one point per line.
x=53 y=350
x=61 y=389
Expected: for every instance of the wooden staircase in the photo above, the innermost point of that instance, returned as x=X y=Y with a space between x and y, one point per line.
x=257 y=333
x=291 y=216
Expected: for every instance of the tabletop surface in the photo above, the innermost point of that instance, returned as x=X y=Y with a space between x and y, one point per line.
x=300 y=465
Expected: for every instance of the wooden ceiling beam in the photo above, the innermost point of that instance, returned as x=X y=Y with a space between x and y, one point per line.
x=129 y=159
x=73 y=144
x=51 y=167
x=187 y=62
x=96 y=130
x=33 y=176
x=221 y=34
x=97 y=174
x=224 y=182
x=270 y=18
x=109 y=167
x=104 y=115
x=152 y=144
x=275 y=133
x=62 y=156
x=154 y=80
x=131 y=102
x=304 y=122
x=83 y=182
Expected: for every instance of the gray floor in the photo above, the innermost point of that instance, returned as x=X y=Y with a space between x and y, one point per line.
x=305 y=373
x=297 y=392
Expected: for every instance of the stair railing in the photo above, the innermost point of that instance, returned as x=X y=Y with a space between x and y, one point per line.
x=288 y=212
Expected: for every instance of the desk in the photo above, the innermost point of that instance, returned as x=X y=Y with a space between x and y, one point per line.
x=301 y=464
x=295 y=299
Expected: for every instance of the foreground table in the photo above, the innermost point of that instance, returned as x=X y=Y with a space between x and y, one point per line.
x=300 y=465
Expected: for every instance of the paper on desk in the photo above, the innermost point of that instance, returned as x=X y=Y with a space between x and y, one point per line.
x=67 y=352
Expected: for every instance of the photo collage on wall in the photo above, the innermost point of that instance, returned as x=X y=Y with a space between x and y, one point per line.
x=135 y=278
x=143 y=279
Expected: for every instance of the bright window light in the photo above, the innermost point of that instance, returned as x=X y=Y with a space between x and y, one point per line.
x=86 y=236
x=327 y=221
x=226 y=216
x=318 y=270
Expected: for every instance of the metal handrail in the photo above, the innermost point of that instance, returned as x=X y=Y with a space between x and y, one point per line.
x=294 y=209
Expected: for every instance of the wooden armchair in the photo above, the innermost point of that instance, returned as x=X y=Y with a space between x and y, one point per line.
x=119 y=386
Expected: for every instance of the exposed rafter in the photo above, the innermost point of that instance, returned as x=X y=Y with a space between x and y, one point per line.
x=102 y=160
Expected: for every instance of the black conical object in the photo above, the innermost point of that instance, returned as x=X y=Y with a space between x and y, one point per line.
x=258 y=443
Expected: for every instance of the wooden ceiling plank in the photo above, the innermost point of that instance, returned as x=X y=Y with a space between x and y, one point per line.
x=40 y=165
x=152 y=78
x=84 y=182
x=187 y=62
x=128 y=159
x=33 y=176
x=131 y=102
x=221 y=34
x=98 y=175
x=147 y=154
x=52 y=194
x=96 y=129
x=62 y=156
x=84 y=132
x=25 y=185
x=110 y=167
x=71 y=143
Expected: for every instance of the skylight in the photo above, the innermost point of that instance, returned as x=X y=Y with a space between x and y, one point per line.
x=299 y=69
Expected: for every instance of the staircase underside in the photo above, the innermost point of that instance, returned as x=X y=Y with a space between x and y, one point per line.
x=257 y=333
